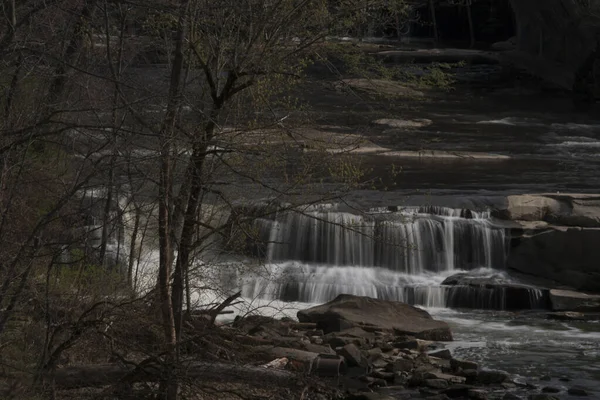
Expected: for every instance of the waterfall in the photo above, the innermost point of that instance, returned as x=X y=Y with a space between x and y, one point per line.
x=411 y=240
x=402 y=254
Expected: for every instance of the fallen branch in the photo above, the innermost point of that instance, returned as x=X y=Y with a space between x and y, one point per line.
x=108 y=374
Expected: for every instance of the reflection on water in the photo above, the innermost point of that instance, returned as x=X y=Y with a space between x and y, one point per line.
x=529 y=346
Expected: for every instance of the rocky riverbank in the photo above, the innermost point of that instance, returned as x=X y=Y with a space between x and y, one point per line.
x=373 y=349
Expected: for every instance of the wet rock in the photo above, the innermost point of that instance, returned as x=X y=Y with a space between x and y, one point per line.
x=414 y=344
x=374 y=354
x=566 y=316
x=492 y=377
x=446 y=377
x=469 y=374
x=444 y=364
x=550 y=389
x=545 y=378
x=574 y=391
x=458 y=390
x=438 y=397
x=511 y=396
x=477 y=394
x=368 y=396
x=382 y=374
x=352 y=355
x=564 y=379
x=508 y=385
x=436 y=383
x=347 y=311
x=315 y=348
x=341 y=341
x=567 y=300
x=379 y=363
x=428 y=392
x=542 y=396
x=567 y=255
x=444 y=354
x=494 y=292
x=400 y=365
x=463 y=364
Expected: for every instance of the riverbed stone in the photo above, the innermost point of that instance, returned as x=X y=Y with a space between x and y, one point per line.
x=477 y=394
x=489 y=377
x=445 y=354
x=568 y=300
x=458 y=390
x=575 y=391
x=456 y=363
x=446 y=377
x=348 y=311
x=511 y=396
x=400 y=365
x=436 y=383
x=352 y=355
x=542 y=396
x=550 y=389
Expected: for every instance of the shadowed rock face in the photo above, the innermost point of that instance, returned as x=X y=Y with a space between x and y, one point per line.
x=555 y=237
x=347 y=311
x=560 y=31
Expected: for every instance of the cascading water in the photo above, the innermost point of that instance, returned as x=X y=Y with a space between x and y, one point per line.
x=395 y=254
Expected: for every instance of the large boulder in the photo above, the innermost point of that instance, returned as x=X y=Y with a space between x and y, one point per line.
x=347 y=311
x=567 y=255
x=568 y=300
x=581 y=210
x=493 y=291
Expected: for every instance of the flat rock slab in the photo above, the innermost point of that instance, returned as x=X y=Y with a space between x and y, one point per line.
x=568 y=300
x=347 y=311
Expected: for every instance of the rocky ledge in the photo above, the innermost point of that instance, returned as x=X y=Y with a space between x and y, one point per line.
x=368 y=349
x=555 y=236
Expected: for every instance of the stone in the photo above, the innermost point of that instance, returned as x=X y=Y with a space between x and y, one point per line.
x=440 y=362
x=315 y=348
x=542 y=396
x=368 y=396
x=374 y=353
x=566 y=255
x=566 y=316
x=445 y=354
x=488 y=377
x=463 y=364
x=575 y=391
x=511 y=396
x=348 y=311
x=414 y=344
x=568 y=300
x=550 y=389
x=446 y=377
x=400 y=365
x=438 y=397
x=382 y=374
x=402 y=123
x=458 y=390
x=428 y=392
x=340 y=341
x=477 y=394
x=352 y=355
x=493 y=291
x=436 y=383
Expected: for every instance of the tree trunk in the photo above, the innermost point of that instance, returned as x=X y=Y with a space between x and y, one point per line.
x=436 y=37
x=169 y=385
x=471 y=27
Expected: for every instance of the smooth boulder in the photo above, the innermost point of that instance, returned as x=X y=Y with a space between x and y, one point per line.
x=568 y=300
x=348 y=311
